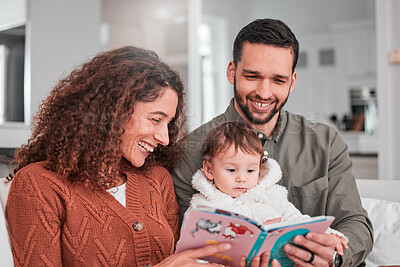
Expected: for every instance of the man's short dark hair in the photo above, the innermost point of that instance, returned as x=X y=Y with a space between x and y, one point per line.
x=266 y=31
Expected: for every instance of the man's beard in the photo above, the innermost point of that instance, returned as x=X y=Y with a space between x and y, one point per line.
x=249 y=115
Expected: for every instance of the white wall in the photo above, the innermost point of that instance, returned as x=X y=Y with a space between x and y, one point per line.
x=12 y=13
x=388 y=36
x=305 y=18
x=144 y=23
x=59 y=35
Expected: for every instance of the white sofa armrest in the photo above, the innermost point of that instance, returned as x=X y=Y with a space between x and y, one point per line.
x=6 y=258
x=381 y=199
x=380 y=189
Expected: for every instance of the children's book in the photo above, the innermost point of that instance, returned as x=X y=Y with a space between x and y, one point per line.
x=208 y=225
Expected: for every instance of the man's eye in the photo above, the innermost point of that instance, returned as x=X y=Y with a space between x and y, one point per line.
x=251 y=77
x=156 y=120
x=279 y=81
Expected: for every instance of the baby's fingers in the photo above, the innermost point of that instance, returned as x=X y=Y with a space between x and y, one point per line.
x=344 y=243
x=339 y=248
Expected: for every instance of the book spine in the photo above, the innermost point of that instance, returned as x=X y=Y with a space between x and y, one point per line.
x=256 y=247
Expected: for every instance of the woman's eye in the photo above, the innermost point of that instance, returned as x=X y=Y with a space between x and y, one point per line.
x=156 y=120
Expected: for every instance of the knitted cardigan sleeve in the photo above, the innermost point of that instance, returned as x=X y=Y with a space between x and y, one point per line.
x=171 y=203
x=33 y=212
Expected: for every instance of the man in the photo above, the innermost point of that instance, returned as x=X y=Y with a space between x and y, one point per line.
x=314 y=159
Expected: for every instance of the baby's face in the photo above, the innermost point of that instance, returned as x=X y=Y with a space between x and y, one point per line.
x=233 y=172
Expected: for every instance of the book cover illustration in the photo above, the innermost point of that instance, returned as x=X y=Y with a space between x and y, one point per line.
x=207 y=225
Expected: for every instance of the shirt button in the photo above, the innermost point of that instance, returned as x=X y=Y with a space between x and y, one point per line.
x=260 y=135
x=138 y=226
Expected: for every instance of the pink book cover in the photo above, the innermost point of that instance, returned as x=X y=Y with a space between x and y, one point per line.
x=207 y=225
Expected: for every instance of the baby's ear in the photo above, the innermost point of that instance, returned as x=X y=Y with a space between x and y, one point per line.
x=264 y=168
x=208 y=171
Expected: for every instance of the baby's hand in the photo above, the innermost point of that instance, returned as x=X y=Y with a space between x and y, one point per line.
x=272 y=221
x=340 y=244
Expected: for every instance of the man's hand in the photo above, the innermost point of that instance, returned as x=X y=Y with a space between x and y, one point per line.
x=322 y=245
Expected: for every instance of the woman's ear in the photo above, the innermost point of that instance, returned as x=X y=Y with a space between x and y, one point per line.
x=208 y=171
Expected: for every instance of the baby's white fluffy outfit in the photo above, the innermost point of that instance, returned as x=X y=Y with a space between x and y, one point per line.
x=265 y=201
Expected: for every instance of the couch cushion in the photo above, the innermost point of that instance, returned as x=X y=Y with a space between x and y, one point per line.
x=385 y=217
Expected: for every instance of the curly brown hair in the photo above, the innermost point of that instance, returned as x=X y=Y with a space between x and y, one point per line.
x=78 y=128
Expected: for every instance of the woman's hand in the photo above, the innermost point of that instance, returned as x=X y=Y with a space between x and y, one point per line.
x=259 y=261
x=321 y=245
x=189 y=257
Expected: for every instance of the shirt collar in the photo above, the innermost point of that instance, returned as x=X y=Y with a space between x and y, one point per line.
x=280 y=126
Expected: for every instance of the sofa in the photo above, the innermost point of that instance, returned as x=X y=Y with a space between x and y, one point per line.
x=6 y=258
x=381 y=199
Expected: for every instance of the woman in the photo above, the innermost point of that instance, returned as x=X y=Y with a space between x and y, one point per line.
x=91 y=187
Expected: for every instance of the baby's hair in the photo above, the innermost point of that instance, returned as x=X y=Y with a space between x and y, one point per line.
x=236 y=133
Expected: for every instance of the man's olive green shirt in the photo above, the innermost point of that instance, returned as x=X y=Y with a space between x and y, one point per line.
x=316 y=171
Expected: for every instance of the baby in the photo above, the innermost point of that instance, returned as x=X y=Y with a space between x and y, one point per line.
x=236 y=176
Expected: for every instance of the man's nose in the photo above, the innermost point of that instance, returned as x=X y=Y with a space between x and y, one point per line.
x=264 y=89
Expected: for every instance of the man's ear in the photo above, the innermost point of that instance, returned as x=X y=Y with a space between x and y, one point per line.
x=230 y=72
x=294 y=79
x=208 y=171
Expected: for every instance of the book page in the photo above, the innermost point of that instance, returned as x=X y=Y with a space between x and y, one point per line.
x=205 y=228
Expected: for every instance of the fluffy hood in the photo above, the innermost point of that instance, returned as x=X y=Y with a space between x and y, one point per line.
x=207 y=188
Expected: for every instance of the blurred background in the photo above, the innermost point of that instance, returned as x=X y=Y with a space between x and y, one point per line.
x=345 y=76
